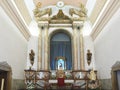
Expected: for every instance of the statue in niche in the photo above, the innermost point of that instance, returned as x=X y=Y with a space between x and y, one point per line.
x=89 y=56
x=60 y=65
x=31 y=56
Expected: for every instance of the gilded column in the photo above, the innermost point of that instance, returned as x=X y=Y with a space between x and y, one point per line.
x=40 y=47
x=75 y=47
x=82 y=63
x=46 y=47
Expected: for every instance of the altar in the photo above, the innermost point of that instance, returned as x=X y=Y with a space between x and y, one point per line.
x=50 y=79
x=66 y=81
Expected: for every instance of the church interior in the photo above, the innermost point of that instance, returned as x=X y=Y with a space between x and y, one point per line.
x=59 y=44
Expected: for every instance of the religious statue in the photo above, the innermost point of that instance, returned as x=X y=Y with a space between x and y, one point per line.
x=89 y=56
x=60 y=65
x=31 y=56
x=92 y=75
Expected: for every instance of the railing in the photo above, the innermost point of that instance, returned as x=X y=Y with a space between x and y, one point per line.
x=37 y=79
x=81 y=78
x=44 y=78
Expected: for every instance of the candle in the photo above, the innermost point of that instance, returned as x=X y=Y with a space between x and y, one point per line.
x=2 y=84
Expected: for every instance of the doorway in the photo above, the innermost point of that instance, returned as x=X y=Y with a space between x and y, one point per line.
x=118 y=79
x=3 y=79
x=115 y=72
x=5 y=76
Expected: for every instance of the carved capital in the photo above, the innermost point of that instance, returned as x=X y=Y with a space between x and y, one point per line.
x=77 y=26
x=43 y=26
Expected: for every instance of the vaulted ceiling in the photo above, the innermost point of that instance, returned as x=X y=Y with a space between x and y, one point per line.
x=53 y=2
x=94 y=6
x=99 y=12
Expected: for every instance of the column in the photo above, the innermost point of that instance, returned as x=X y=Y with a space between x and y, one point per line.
x=46 y=47
x=40 y=47
x=75 y=46
x=82 y=64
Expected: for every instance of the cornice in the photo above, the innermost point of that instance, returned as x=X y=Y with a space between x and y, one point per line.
x=60 y=25
x=15 y=17
x=107 y=14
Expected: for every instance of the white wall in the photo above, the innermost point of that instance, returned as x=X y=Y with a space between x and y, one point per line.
x=13 y=46
x=32 y=44
x=88 y=44
x=107 y=46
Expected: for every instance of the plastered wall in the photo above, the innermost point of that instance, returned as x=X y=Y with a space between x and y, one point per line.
x=107 y=46
x=13 y=46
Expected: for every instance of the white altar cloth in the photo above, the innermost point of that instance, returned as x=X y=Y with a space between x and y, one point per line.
x=66 y=81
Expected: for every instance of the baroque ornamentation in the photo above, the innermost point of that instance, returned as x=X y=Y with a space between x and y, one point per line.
x=60 y=18
x=60 y=15
x=32 y=56
x=89 y=56
x=43 y=25
x=39 y=13
x=76 y=25
x=82 y=13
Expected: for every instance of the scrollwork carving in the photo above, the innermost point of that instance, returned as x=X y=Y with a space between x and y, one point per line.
x=82 y=13
x=39 y=13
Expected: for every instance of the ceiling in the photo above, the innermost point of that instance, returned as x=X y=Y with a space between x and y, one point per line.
x=99 y=12
x=53 y=2
x=26 y=7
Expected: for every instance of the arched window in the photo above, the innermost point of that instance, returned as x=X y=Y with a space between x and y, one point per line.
x=60 y=45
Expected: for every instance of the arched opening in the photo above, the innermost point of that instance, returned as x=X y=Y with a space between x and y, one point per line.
x=5 y=76
x=60 y=46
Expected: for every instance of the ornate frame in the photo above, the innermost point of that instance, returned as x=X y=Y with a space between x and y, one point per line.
x=60 y=58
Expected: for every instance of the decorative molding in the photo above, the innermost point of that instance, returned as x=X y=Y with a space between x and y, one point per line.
x=60 y=15
x=43 y=25
x=77 y=25
x=112 y=7
x=22 y=7
x=39 y=13
x=81 y=13
x=15 y=17
x=60 y=18
x=60 y=25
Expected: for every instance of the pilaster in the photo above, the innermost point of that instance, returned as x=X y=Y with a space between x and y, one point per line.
x=40 y=48
x=46 y=47
x=82 y=61
x=75 y=45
